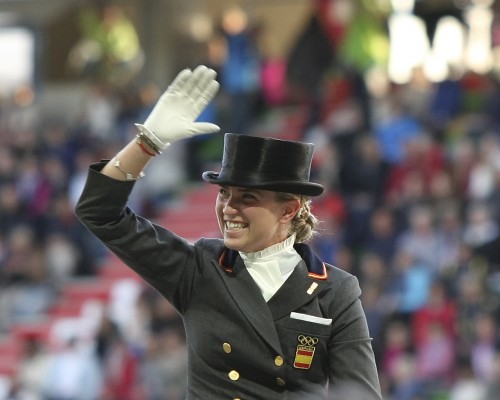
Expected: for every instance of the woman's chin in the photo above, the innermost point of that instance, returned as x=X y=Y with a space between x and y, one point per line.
x=232 y=244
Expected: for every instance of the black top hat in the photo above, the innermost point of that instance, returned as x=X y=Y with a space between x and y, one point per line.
x=266 y=163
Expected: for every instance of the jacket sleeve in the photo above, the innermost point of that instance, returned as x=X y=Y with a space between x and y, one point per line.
x=166 y=261
x=353 y=372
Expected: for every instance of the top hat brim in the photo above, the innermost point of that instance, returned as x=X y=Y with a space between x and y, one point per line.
x=301 y=188
x=266 y=163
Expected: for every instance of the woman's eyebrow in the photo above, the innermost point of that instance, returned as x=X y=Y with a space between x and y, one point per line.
x=243 y=190
x=250 y=190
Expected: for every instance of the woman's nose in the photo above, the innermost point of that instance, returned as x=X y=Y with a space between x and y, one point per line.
x=230 y=207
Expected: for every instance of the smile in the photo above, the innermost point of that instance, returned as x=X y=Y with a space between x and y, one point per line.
x=235 y=226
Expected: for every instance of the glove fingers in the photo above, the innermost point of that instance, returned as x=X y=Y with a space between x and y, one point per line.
x=205 y=96
x=194 y=79
x=199 y=128
x=201 y=79
x=181 y=81
x=206 y=76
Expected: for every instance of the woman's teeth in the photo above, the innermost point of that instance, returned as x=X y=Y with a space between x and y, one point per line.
x=235 y=225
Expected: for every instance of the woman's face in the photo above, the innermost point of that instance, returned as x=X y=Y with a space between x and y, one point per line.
x=252 y=220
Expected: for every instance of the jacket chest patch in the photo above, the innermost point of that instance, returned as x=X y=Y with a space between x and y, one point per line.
x=305 y=351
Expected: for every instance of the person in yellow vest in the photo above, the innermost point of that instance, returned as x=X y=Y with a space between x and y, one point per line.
x=265 y=318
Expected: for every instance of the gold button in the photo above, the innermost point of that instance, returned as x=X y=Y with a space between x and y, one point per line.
x=280 y=382
x=234 y=375
x=226 y=347
x=278 y=361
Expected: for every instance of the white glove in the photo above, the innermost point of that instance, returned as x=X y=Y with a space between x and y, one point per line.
x=173 y=116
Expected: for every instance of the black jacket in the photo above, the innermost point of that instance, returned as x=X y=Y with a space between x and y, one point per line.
x=239 y=346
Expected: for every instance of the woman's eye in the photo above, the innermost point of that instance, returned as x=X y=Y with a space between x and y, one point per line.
x=223 y=192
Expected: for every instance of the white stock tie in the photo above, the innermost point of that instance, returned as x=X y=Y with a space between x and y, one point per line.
x=271 y=267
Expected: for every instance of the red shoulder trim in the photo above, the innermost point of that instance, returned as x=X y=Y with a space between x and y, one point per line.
x=322 y=276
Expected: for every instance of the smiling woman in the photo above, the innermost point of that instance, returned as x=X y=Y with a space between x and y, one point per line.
x=252 y=220
x=265 y=317
x=268 y=201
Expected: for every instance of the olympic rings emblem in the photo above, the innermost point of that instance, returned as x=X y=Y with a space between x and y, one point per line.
x=307 y=340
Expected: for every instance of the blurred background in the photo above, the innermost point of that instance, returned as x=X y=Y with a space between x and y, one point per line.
x=402 y=100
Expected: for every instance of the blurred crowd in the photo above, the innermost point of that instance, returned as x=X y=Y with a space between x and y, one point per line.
x=412 y=208
x=43 y=247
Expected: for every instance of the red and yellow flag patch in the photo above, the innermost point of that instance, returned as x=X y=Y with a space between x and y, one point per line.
x=305 y=352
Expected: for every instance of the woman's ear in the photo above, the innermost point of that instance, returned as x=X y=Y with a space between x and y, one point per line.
x=291 y=209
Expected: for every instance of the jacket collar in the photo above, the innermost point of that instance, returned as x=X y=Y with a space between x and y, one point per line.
x=307 y=280
x=315 y=267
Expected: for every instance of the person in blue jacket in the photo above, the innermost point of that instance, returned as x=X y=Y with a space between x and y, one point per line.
x=264 y=317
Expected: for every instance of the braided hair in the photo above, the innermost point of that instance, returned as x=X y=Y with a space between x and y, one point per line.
x=304 y=223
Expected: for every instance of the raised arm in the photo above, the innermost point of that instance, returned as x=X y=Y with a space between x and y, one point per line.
x=173 y=118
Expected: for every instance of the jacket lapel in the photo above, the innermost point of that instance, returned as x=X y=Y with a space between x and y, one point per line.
x=299 y=289
x=247 y=296
x=308 y=279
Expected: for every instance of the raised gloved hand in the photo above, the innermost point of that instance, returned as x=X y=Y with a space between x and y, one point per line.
x=173 y=117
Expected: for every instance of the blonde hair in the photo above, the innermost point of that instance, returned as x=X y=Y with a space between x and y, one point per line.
x=304 y=223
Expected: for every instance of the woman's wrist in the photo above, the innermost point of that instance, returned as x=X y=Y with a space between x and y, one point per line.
x=129 y=163
x=145 y=147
